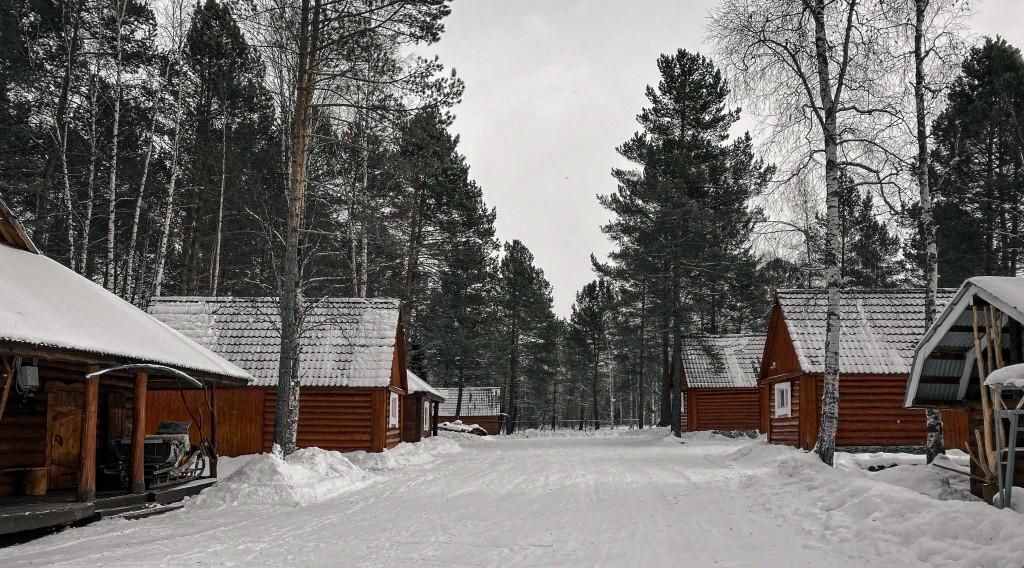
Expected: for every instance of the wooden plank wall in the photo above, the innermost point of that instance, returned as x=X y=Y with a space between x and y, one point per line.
x=954 y=429
x=723 y=409
x=239 y=416
x=332 y=418
x=412 y=419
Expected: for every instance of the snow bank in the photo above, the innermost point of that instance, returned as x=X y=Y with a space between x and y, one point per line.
x=405 y=454
x=306 y=476
x=871 y=517
x=880 y=460
x=571 y=433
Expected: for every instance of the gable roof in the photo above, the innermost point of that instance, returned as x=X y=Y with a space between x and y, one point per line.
x=347 y=342
x=418 y=385
x=943 y=367
x=48 y=307
x=879 y=328
x=723 y=361
x=476 y=401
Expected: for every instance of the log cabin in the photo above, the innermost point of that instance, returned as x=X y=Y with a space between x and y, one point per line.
x=479 y=405
x=879 y=331
x=720 y=382
x=352 y=369
x=419 y=413
x=945 y=369
x=77 y=364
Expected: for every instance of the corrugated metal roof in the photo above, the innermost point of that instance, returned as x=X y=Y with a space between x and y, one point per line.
x=416 y=384
x=952 y=334
x=879 y=328
x=723 y=361
x=476 y=401
x=345 y=342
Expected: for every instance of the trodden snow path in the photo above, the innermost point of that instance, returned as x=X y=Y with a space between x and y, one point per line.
x=625 y=500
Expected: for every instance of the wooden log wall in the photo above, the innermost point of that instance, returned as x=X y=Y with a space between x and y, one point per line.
x=22 y=440
x=871 y=412
x=723 y=409
x=332 y=418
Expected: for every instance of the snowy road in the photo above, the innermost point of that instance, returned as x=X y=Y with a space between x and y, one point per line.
x=631 y=500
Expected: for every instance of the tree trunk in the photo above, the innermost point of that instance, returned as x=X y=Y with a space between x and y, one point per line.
x=83 y=263
x=109 y=276
x=825 y=445
x=165 y=230
x=931 y=256
x=215 y=271
x=643 y=352
x=286 y=421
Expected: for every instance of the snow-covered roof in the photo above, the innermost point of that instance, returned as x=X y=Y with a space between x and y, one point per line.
x=476 y=401
x=416 y=385
x=878 y=332
x=45 y=305
x=943 y=368
x=346 y=341
x=723 y=361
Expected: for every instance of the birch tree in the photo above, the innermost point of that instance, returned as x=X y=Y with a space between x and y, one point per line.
x=807 y=66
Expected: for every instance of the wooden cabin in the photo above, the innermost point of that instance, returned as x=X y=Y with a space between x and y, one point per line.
x=879 y=331
x=945 y=371
x=77 y=365
x=419 y=414
x=479 y=405
x=720 y=382
x=352 y=370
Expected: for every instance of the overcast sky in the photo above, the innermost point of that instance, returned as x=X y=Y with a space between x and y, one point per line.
x=553 y=86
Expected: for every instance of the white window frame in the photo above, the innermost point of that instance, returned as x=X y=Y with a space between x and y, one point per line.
x=393 y=411
x=783 y=399
x=426 y=416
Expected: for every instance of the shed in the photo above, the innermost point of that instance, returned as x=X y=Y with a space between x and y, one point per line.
x=945 y=371
x=479 y=405
x=59 y=416
x=720 y=382
x=879 y=330
x=352 y=369
x=419 y=419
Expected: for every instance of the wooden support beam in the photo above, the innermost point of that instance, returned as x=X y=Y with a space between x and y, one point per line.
x=87 y=461
x=213 y=430
x=8 y=383
x=138 y=479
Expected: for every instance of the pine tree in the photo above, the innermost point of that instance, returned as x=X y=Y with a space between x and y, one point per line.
x=684 y=213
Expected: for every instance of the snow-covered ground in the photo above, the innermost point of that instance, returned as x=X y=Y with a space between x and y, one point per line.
x=624 y=499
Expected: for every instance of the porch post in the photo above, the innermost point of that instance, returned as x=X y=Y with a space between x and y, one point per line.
x=433 y=419
x=138 y=480
x=87 y=458
x=213 y=430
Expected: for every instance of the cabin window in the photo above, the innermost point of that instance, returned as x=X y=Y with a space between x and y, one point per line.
x=426 y=416
x=783 y=400
x=393 y=411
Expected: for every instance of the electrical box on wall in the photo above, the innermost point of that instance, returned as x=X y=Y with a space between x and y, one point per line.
x=28 y=378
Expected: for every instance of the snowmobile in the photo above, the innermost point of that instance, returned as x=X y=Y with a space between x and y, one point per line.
x=168 y=457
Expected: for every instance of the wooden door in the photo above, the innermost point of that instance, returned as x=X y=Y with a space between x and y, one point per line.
x=64 y=427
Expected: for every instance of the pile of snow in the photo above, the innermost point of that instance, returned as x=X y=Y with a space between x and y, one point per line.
x=604 y=432
x=306 y=476
x=405 y=454
x=458 y=426
x=880 y=460
x=1009 y=376
x=875 y=518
